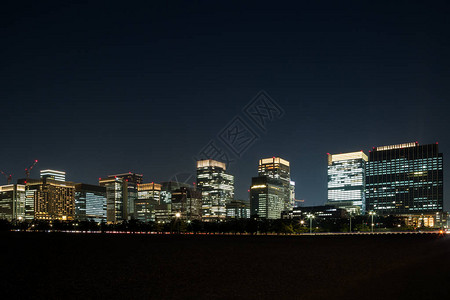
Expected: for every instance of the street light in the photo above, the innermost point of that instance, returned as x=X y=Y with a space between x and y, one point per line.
x=372 y=213
x=310 y=217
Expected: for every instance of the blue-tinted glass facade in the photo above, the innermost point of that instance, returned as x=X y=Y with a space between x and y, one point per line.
x=405 y=179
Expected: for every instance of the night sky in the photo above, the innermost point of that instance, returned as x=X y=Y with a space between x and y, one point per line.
x=98 y=89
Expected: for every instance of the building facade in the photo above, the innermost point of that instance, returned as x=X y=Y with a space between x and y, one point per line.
x=130 y=190
x=53 y=174
x=279 y=169
x=148 y=200
x=217 y=188
x=405 y=179
x=116 y=205
x=12 y=202
x=90 y=202
x=267 y=198
x=346 y=181
x=238 y=209
x=48 y=199
x=188 y=203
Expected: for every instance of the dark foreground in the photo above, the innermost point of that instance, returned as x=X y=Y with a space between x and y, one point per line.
x=76 y=266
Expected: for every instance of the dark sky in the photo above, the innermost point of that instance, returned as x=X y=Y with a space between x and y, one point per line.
x=97 y=89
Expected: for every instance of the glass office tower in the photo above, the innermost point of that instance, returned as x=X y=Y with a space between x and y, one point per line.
x=267 y=197
x=217 y=189
x=90 y=202
x=12 y=202
x=346 y=181
x=147 y=202
x=279 y=169
x=405 y=179
x=116 y=207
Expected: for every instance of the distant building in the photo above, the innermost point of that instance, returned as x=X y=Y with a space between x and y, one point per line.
x=320 y=211
x=121 y=194
x=187 y=202
x=131 y=182
x=48 y=199
x=406 y=179
x=116 y=206
x=167 y=187
x=267 y=197
x=53 y=174
x=12 y=202
x=279 y=169
x=346 y=181
x=238 y=209
x=90 y=202
x=217 y=189
x=148 y=200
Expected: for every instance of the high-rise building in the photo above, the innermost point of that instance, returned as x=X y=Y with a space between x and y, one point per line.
x=53 y=174
x=188 y=202
x=217 y=188
x=131 y=181
x=90 y=202
x=405 y=179
x=148 y=200
x=279 y=169
x=12 y=202
x=116 y=203
x=346 y=181
x=121 y=194
x=267 y=197
x=49 y=199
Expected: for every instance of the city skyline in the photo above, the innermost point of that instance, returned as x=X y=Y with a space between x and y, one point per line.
x=339 y=157
x=191 y=178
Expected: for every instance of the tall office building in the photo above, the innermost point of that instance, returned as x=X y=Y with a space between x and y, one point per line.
x=53 y=174
x=346 y=181
x=187 y=202
x=131 y=181
x=406 y=179
x=279 y=169
x=49 y=199
x=90 y=202
x=217 y=188
x=121 y=194
x=12 y=202
x=148 y=199
x=267 y=197
x=116 y=203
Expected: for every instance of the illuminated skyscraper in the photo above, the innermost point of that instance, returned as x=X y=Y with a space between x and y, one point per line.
x=131 y=182
x=121 y=194
x=116 y=206
x=90 y=202
x=12 y=202
x=406 y=179
x=346 y=181
x=217 y=188
x=267 y=197
x=279 y=169
x=148 y=200
x=53 y=174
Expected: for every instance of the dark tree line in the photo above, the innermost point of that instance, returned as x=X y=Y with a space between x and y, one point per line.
x=233 y=226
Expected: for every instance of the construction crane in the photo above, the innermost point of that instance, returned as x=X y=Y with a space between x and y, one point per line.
x=8 y=177
x=28 y=170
